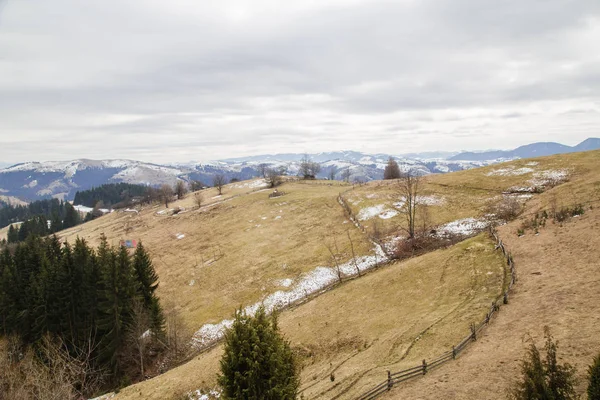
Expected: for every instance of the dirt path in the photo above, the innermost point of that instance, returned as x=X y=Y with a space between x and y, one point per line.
x=558 y=286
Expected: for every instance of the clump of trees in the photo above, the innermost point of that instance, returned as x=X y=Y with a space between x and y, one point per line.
x=112 y=195
x=94 y=303
x=180 y=189
x=308 y=169
x=52 y=209
x=64 y=218
x=545 y=378
x=392 y=170
x=258 y=362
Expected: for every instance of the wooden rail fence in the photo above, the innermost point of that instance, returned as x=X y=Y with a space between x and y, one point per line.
x=420 y=370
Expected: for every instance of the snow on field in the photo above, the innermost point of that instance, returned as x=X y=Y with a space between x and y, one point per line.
x=254 y=184
x=532 y=163
x=370 y=212
x=424 y=200
x=163 y=212
x=465 y=226
x=549 y=177
x=278 y=217
x=388 y=214
x=285 y=282
x=179 y=236
x=217 y=196
x=510 y=171
x=85 y=210
x=310 y=283
x=200 y=395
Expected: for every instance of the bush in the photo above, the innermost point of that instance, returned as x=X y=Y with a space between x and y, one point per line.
x=506 y=209
x=258 y=362
x=545 y=379
x=593 y=390
x=422 y=244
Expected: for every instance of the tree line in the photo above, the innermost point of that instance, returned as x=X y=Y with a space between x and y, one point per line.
x=111 y=195
x=97 y=302
x=52 y=209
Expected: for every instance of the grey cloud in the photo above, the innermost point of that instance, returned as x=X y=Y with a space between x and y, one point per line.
x=288 y=77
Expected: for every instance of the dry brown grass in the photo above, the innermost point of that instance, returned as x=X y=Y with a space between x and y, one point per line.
x=234 y=252
x=391 y=318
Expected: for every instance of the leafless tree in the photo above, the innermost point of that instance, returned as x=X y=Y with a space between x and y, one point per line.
x=309 y=169
x=332 y=173
x=178 y=338
x=408 y=190
x=262 y=170
x=138 y=335
x=346 y=174
x=180 y=189
x=392 y=170
x=196 y=185
x=166 y=194
x=199 y=199
x=334 y=256
x=218 y=182
x=273 y=178
x=353 y=254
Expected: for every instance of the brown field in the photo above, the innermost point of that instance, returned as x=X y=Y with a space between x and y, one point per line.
x=235 y=252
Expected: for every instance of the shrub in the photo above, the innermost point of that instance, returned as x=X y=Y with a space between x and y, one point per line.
x=258 y=362
x=506 y=209
x=593 y=390
x=545 y=379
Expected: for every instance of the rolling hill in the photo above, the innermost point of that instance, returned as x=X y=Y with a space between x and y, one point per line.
x=243 y=248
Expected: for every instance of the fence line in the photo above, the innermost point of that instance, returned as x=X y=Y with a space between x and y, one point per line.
x=420 y=370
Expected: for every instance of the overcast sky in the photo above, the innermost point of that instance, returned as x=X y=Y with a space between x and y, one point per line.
x=184 y=80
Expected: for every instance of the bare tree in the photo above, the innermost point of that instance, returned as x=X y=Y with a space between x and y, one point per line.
x=346 y=174
x=309 y=169
x=196 y=185
x=199 y=199
x=273 y=178
x=392 y=170
x=262 y=170
x=139 y=335
x=334 y=257
x=408 y=190
x=332 y=173
x=353 y=254
x=180 y=189
x=218 y=182
x=166 y=194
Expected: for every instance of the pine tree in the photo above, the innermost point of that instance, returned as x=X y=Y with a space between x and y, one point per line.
x=258 y=362
x=148 y=282
x=593 y=390
x=545 y=379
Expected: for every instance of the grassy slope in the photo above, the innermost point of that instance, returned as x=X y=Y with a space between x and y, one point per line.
x=261 y=240
x=355 y=310
x=366 y=326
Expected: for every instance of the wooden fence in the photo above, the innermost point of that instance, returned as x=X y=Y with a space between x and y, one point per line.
x=404 y=375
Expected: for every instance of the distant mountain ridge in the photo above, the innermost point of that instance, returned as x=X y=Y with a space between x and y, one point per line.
x=528 y=151
x=62 y=179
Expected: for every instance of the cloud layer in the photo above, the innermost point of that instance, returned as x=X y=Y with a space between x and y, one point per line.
x=190 y=80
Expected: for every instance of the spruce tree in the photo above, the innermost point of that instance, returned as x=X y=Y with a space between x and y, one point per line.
x=593 y=390
x=545 y=379
x=258 y=362
x=148 y=282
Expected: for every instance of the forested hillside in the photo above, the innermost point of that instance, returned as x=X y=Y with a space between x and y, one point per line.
x=96 y=303
x=111 y=194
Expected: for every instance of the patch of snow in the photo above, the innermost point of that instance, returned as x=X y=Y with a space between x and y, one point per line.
x=371 y=196
x=200 y=395
x=370 y=212
x=131 y=210
x=423 y=200
x=192 y=282
x=263 y=217
x=388 y=214
x=254 y=184
x=532 y=163
x=179 y=236
x=163 y=212
x=285 y=282
x=510 y=171
x=465 y=226
x=278 y=217
x=217 y=196
x=310 y=283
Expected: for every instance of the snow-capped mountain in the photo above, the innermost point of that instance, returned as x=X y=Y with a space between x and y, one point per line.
x=62 y=179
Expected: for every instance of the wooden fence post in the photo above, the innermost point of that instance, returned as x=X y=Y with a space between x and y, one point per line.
x=424 y=367
x=473 y=332
x=390 y=383
x=453 y=353
x=505 y=297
